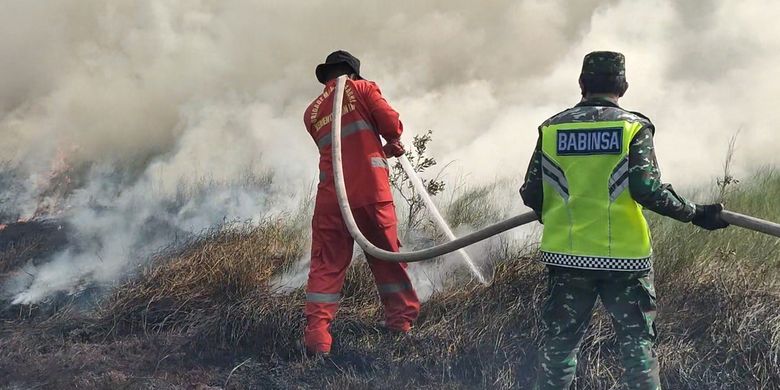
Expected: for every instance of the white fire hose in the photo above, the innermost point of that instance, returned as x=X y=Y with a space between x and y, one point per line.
x=419 y=187
x=752 y=223
x=733 y=218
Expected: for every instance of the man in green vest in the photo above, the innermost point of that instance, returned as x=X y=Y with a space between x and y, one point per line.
x=593 y=170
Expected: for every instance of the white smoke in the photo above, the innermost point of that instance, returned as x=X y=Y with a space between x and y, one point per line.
x=179 y=115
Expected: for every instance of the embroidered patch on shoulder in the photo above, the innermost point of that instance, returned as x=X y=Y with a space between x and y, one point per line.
x=589 y=141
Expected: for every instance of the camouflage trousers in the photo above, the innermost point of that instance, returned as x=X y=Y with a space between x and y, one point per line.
x=629 y=297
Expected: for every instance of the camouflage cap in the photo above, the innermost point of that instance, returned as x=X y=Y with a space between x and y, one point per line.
x=607 y=63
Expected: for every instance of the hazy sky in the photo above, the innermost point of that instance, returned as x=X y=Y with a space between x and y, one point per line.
x=124 y=79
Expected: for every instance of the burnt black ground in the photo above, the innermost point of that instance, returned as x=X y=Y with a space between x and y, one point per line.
x=30 y=241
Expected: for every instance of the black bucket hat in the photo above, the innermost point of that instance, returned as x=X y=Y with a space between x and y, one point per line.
x=335 y=58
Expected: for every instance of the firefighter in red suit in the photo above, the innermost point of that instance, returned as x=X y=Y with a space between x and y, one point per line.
x=366 y=117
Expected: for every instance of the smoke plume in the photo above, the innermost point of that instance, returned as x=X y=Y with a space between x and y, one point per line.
x=173 y=116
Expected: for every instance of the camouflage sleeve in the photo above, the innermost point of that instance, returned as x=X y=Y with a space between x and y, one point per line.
x=645 y=181
x=531 y=191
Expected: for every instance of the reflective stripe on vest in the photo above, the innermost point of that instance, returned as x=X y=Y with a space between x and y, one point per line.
x=346 y=130
x=554 y=176
x=392 y=288
x=618 y=181
x=589 y=217
x=571 y=261
x=323 y=297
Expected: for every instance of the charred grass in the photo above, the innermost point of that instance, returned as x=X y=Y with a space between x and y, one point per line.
x=206 y=315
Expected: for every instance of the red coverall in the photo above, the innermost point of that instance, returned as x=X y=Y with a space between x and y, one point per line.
x=366 y=115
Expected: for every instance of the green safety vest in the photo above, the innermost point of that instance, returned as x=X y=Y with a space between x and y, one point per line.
x=590 y=218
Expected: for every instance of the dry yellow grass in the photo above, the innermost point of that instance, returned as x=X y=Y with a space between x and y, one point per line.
x=206 y=314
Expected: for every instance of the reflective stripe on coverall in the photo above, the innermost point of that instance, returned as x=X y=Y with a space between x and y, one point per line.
x=366 y=116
